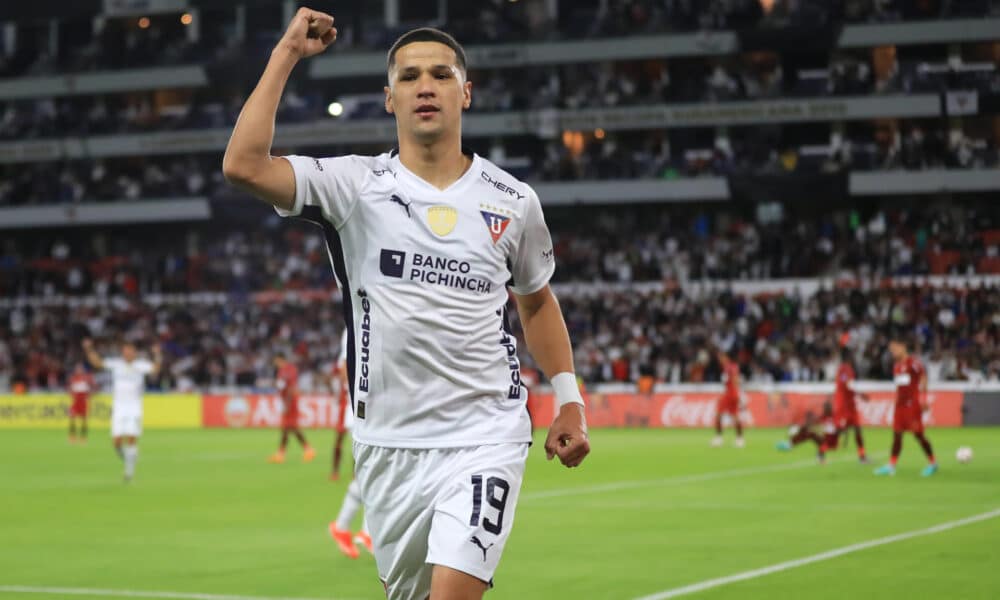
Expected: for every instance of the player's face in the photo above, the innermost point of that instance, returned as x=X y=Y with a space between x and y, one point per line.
x=128 y=352
x=427 y=91
x=897 y=350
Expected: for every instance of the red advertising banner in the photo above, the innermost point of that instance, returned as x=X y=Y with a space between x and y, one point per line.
x=264 y=411
x=759 y=409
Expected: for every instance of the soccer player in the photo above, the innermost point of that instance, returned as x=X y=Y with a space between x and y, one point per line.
x=825 y=441
x=128 y=380
x=845 y=412
x=340 y=530
x=340 y=385
x=81 y=385
x=729 y=401
x=910 y=378
x=424 y=240
x=287 y=380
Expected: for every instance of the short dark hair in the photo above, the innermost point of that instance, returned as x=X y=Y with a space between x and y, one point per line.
x=426 y=34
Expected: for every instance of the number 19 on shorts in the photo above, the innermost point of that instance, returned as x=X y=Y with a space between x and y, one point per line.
x=497 y=491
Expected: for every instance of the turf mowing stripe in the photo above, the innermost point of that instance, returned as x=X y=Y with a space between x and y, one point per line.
x=641 y=483
x=25 y=589
x=713 y=583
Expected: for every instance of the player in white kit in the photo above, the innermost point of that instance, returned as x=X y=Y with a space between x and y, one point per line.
x=128 y=381
x=425 y=242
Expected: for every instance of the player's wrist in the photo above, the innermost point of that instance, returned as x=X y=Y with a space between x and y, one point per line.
x=566 y=389
x=287 y=52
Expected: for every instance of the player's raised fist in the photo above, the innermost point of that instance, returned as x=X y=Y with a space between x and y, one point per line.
x=309 y=33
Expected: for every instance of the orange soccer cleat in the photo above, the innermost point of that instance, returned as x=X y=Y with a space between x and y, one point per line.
x=343 y=539
x=365 y=540
x=308 y=454
x=277 y=458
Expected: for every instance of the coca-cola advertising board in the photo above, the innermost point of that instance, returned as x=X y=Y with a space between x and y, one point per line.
x=757 y=409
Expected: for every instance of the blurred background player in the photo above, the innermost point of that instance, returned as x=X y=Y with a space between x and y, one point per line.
x=128 y=380
x=340 y=530
x=340 y=387
x=825 y=440
x=845 y=412
x=287 y=380
x=729 y=401
x=910 y=378
x=81 y=385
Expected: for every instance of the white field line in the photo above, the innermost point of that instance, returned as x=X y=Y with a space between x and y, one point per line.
x=792 y=564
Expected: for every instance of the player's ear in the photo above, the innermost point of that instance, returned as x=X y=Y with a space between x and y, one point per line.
x=388 y=99
x=466 y=95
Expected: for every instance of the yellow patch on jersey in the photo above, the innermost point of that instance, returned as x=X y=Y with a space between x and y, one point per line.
x=442 y=219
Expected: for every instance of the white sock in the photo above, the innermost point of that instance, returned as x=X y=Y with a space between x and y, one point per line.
x=352 y=502
x=131 y=455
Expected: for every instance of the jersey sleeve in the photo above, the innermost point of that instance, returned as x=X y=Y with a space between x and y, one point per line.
x=532 y=260
x=143 y=366
x=110 y=364
x=333 y=184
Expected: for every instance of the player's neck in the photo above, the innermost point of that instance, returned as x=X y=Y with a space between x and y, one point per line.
x=439 y=164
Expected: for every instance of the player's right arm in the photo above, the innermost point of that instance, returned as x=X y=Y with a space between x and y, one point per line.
x=92 y=356
x=248 y=163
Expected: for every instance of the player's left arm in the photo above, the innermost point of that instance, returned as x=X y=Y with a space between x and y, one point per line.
x=548 y=341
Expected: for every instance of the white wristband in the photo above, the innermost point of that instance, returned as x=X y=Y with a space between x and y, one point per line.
x=566 y=389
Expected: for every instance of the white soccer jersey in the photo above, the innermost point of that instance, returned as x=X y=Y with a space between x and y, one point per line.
x=424 y=275
x=128 y=381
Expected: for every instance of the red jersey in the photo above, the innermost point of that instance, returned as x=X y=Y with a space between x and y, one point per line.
x=81 y=386
x=907 y=374
x=731 y=377
x=288 y=382
x=843 y=395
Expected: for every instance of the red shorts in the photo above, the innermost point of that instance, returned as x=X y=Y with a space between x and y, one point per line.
x=78 y=408
x=831 y=441
x=908 y=418
x=728 y=404
x=290 y=418
x=847 y=418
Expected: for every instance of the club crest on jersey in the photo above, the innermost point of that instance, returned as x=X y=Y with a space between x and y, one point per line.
x=496 y=223
x=442 y=219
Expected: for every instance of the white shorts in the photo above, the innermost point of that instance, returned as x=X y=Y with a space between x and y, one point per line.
x=451 y=506
x=126 y=423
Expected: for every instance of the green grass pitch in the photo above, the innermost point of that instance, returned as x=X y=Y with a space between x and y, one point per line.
x=650 y=511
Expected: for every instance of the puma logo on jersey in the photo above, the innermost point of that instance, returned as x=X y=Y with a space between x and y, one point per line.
x=399 y=201
x=475 y=540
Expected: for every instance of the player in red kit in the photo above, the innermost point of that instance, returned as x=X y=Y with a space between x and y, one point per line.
x=729 y=402
x=81 y=385
x=288 y=385
x=845 y=409
x=826 y=439
x=340 y=386
x=910 y=378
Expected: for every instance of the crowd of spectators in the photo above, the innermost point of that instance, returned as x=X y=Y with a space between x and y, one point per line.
x=747 y=77
x=666 y=334
x=122 y=42
x=765 y=150
x=594 y=246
